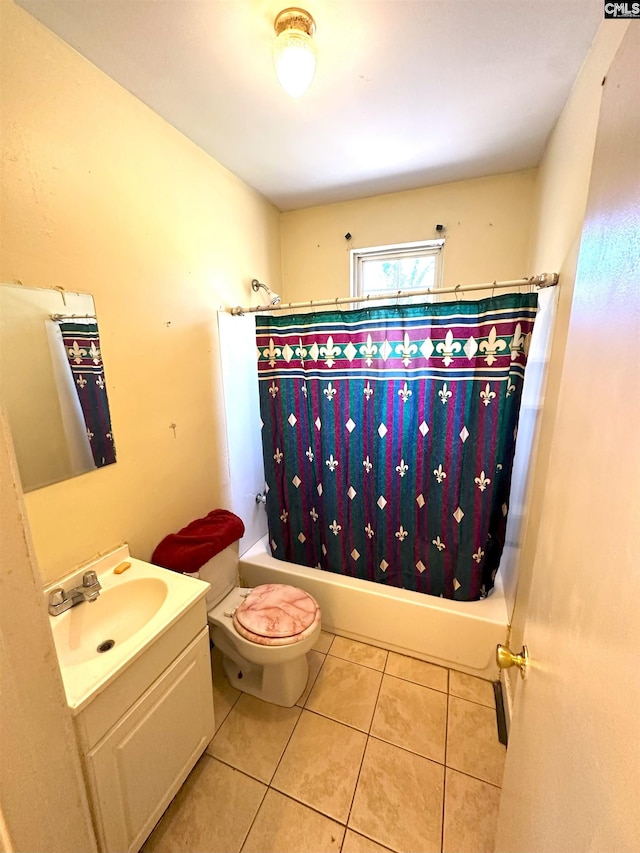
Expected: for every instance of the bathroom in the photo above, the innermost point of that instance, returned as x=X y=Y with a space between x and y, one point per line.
x=106 y=197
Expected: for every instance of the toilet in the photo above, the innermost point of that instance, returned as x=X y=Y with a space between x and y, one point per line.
x=264 y=633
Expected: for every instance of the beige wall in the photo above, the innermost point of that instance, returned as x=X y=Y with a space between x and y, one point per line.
x=101 y=195
x=561 y=194
x=43 y=805
x=488 y=222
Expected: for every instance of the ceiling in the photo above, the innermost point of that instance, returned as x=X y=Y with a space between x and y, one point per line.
x=407 y=93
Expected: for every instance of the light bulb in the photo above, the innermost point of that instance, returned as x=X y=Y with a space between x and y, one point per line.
x=294 y=51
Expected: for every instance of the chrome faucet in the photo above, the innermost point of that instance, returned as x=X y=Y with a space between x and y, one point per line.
x=59 y=600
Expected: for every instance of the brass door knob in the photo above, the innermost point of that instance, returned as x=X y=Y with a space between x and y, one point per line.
x=505 y=658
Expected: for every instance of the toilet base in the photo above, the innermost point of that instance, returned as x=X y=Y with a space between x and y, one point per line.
x=281 y=684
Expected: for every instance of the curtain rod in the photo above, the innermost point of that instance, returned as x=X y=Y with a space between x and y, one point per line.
x=545 y=279
x=73 y=317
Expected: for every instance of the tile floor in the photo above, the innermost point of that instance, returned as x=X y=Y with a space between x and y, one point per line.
x=381 y=753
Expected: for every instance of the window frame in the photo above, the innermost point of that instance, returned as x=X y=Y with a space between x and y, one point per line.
x=394 y=251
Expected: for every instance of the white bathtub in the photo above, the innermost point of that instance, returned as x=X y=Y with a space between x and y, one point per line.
x=456 y=634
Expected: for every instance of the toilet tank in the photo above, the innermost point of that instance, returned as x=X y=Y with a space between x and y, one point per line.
x=221 y=572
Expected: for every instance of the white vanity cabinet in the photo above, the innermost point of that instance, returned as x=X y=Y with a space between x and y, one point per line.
x=140 y=738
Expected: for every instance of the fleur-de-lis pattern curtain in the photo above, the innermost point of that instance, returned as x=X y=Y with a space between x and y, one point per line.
x=388 y=439
x=82 y=346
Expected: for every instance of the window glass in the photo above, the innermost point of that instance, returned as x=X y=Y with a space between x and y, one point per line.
x=407 y=266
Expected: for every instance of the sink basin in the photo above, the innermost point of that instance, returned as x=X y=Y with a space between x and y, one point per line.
x=97 y=640
x=96 y=627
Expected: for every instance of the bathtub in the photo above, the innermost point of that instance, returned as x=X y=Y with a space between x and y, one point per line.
x=457 y=634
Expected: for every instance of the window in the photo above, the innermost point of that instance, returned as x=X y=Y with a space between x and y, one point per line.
x=404 y=266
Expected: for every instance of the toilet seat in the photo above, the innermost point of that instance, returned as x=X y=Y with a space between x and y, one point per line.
x=276 y=615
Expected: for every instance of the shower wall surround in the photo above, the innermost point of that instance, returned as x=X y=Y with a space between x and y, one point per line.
x=242 y=412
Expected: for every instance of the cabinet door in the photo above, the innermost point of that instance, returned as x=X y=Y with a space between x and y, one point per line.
x=143 y=760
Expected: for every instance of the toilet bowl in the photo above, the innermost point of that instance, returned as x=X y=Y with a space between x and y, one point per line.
x=264 y=633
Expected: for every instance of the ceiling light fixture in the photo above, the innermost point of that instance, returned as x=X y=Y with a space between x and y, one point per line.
x=294 y=51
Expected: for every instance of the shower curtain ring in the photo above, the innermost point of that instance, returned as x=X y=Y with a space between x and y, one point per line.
x=458 y=286
x=493 y=289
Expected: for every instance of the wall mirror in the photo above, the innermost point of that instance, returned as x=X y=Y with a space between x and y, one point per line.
x=52 y=385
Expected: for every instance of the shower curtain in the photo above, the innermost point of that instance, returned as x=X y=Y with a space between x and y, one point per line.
x=388 y=439
x=73 y=423
x=82 y=346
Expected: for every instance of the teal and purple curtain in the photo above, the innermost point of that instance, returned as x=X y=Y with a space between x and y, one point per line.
x=82 y=347
x=388 y=439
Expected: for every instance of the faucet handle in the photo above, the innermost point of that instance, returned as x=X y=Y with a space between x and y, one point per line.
x=57 y=596
x=89 y=579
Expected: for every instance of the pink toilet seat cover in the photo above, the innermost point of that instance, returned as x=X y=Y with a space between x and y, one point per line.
x=276 y=614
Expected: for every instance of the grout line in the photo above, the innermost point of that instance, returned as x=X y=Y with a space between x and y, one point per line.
x=364 y=751
x=328 y=633
x=237 y=769
x=419 y=683
x=213 y=681
x=244 y=773
x=475 y=778
x=375 y=704
x=244 y=840
x=171 y=802
x=291 y=796
x=444 y=795
x=279 y=761
x=444 y=778
x=491 y=711
x=473 y=701
x=355 y=787
x=373 y=840
x=222 y=721
x=335 y=720
x=304 y=704
x=307 y=806
x=410 y=751
x=357 y=662
x=416 y=683
x=367 y=731
x=446 y=729
x=362 y=663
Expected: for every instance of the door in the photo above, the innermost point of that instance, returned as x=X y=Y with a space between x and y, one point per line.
x=572 y=776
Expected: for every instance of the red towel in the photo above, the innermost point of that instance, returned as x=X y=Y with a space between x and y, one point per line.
x=190 y=548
